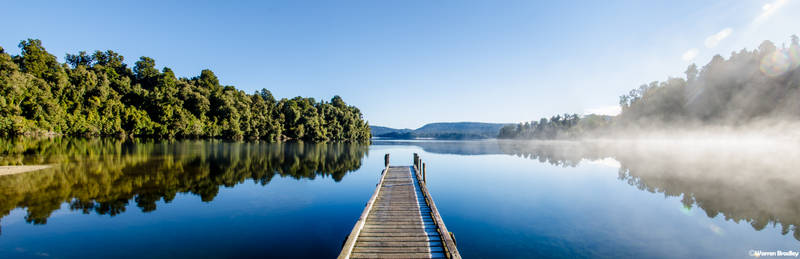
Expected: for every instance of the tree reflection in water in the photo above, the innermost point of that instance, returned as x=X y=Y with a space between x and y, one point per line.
x=104 y=175
x=756 y=184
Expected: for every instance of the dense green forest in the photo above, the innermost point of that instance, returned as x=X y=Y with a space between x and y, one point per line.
x=99 y=95
x=751 y=86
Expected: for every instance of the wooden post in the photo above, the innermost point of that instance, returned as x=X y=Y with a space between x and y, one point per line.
x=386 y=159
x=416 y=160
x=423 y=174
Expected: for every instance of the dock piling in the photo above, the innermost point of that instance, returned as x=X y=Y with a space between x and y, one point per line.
x=424 y=179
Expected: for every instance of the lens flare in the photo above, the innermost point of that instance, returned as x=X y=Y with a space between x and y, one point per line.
x=716 y=229
x=775 y=64
x=686 y=210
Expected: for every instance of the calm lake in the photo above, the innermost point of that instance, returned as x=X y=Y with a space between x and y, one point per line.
x=502 y=199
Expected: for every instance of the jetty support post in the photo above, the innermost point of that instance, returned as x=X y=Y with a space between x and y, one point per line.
x=424 y=179
x=386 y=160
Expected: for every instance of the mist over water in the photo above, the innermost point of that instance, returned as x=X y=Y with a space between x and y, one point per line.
x=725 y=139
x=756 y=183
x=742 y=177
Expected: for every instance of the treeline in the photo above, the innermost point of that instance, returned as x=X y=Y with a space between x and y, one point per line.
x=751 y=85
x=99 y=95
x=556 y=127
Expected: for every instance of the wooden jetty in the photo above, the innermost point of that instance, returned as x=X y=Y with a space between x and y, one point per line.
x=400 y=220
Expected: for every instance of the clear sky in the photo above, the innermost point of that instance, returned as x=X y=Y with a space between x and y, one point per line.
x=407 y=63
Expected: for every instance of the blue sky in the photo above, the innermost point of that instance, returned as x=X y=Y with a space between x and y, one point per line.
x=407 y=63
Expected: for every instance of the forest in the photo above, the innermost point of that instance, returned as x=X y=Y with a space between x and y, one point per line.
x=751 y=86
x=99 y=95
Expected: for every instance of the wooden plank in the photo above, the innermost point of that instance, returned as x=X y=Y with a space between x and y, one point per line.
x=399 y=220
x=415 y=218
x=391 y=208
x=415 y=223
x=398 y=255
x=398 y=239
x=417 y=210
x=397 y=249
x=398 y=244
x=400 y=207
x=408 y=228
x=404 y=230
x=403 y=214
x=394 y=226
x=400 y=223
x=395 y=214
x=397 y=234
x=424 y=217
x=395 y=203
x=376 y=211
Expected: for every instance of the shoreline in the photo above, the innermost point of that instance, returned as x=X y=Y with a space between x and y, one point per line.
x=20 y=169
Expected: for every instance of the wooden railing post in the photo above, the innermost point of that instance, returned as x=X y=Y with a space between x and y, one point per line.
x=424 y=180
x=386 y=160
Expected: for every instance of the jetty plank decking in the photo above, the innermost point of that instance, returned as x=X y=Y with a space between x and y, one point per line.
x=400 y=220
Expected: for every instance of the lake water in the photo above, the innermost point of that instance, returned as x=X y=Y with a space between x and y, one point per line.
x=501 y=199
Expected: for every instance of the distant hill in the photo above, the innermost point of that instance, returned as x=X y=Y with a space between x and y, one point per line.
x=442 y=130
x=380 y=130
x=397 y=135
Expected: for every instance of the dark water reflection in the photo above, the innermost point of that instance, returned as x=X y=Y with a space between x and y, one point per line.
x=757 y=184
x=104 y=176
x=139 y=198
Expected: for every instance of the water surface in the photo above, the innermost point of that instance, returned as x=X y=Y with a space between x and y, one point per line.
x=111 y=198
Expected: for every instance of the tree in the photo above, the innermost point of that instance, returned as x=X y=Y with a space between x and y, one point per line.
x=146 y=72
x=35 y=60
x=691 y=73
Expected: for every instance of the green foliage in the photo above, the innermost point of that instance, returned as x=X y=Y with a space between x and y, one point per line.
x=556 y=127
x=99 y=95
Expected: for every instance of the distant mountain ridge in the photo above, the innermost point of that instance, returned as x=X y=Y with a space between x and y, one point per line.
x=380 y=130
x=442 y=130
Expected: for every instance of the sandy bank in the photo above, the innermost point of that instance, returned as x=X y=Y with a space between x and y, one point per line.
x=18 y=169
